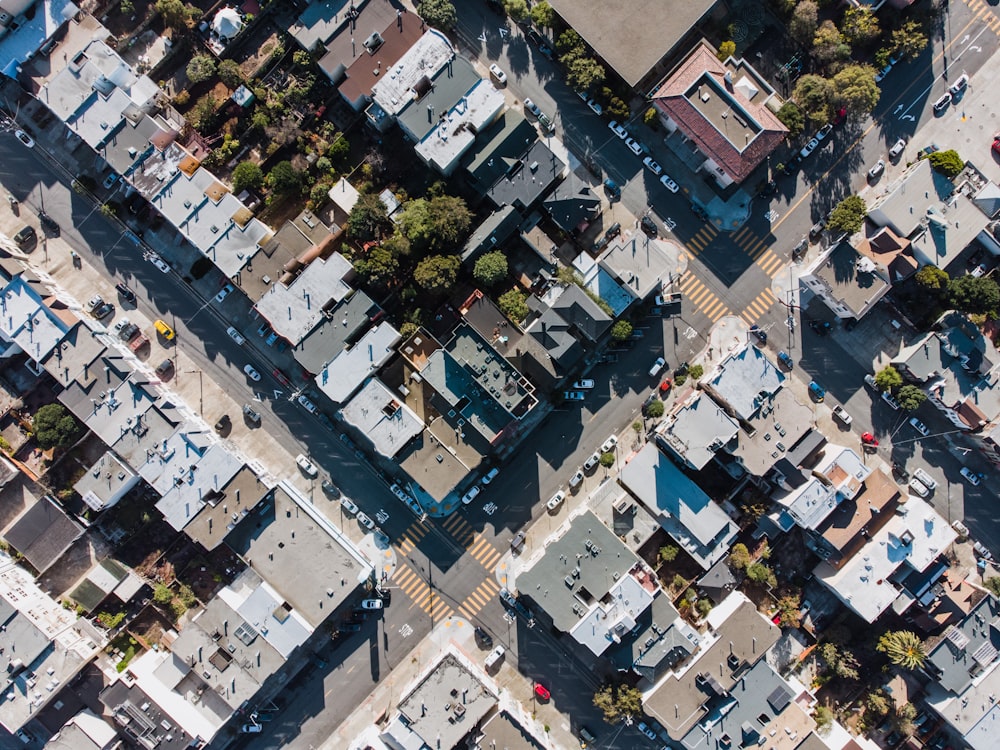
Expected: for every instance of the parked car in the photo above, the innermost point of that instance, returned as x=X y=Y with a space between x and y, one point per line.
x=495 y=657
x=880 y=76
x=236 y=336
x=892 y=402
x=164 y=369
x=595 y=107
x=870 y=382
x=491 y=475
x=759 y=333
x=251 y=413
x=307 y=466
x=330 y=488
x=958 y=87
x=24 y=138
x=618 y=130
x=652 y=166
x=609 y=445
x=224 y=292
x=840 y=414
x=542 y=692
x=928 y=481
x=546 y=122
x=942 y=103
x=574 y=395
x=576 y=480
x=824 y=131
x=816 y=391
x=164 y=330
x=817 y=229
x=592 y=462
x=251 y=373
x=648 y=226
x=530 y=106
x=372 y=604
x=786 y=360
x=919 y=426
x=556 y=500
x=365 y=521
x=126 y=294
x=586 y=384
x=25 y=237
x=877 y=169
x=809 y=148
x=349 y=506
x=483 y=638
x=308 y=405
x=897 y=149
x=103 y=310
x=646 y=730
x=469 y=496
x=498 y=75
x=918 y=488
x=157 y=261
x=611 y=188
x=634 y=146
x=657 y=367
x=669 y=184
x=970 y=476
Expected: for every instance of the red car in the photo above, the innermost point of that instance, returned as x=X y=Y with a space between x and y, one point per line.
x=542 y=692
x=996 y=144
x=666 y=385
x=868 y=439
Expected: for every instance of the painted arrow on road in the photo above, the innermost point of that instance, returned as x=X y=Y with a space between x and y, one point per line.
x=278 y=394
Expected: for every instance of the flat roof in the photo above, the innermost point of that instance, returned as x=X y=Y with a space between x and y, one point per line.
x=777 y=429
x=321 y=20
x=746 y=380
x=502 y=730
x=967 y=648
x=18 y=45
x=42 y=533
x=27 y=321
x=383 y=417
x=637 y=34
x=428 y=55
x=637 y=264
x=364 y=68
x=190 y=481
x=455 y=130
x=500 y=148
x=346 y=372
x=105 y=481
x=855 y=282
x=294 y=309
x=226 y=508
x=139 y=716
x=696 y=428
x=661 y=640
x=690 y=516
x=75 y=355
x=439 y=101
x=904 y=207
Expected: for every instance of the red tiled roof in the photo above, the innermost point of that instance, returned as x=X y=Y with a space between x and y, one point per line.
x=672 y=100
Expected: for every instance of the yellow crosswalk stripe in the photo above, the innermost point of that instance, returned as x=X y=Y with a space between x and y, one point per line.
x=717 y=312
x=758 y=249
x=688 y=281
x=738 y=237
x=700 y=295
x=758 y=306
x=770 y=263
x=459 y=528
x=484 y=553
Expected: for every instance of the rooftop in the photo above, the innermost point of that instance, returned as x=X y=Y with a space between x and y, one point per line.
x=528 y=178
x=638 y=35
x=572 y=204
x=967 y=649
x=73 y=359
x=294 y=309
x=190 y=480
x=695 y=429
x=23 y=41
x=341 y=377
x=660 y=641
x=394 y=92
x=690 y=516
x=85 y=731
x=383 y=417
x=26 y=320
x=321 y=20
x=745 y=380
x=889 y=251
x=42 y=533
x=345 y=323
x=974 y=713
x=636 y=264
x=492 y=233
x=586 y=319
x=502 y=730
x=105 y=481
x=849 y=282
x=845 y=528
x=839 y=476
x=139 y=717
x=363 y=63
x=916 y=536
x=226 y=508
x=502 y=148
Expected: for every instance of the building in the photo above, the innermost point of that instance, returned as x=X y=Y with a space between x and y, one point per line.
x=42 y=533
x=695 y=430
x=106 y=482
x=357 y=67
x=848 y=282
x=29 y=322
x=26 y=26
x=891 y=252
x=85 y=731
x=725 y=108
x=382 y=418
x=700 y=526
x=342 y=376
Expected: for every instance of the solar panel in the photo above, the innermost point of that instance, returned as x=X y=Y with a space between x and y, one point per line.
x=985 y=654
x=779 y=698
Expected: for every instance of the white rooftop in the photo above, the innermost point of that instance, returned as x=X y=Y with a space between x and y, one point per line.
x=383 y=417
x=186 y=483
x=611 y=621
x=193 y=717
x=345 y=373
x=813 y=501
x=916 y=536
x=456 y=131
x=746 y=379
x=18 y=45
x=424 y=59
x=25 y=319
x=258 y=607
x=293 y=311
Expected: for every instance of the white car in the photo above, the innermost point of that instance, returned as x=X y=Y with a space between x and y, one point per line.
x=24 y=138
x=349 y=506
x=618 y=130
x=592 y=462
x=157 y=261
x=366 y=521
x=121 y=323
x=491 y=475
x=652 y=166
x=919 y=426
x=251 y=373
x=942 y=103
x=658 y=365
x=469 y=496
x=609 y=445
x=530 y=106
x=876 y=170
x=308 y=405
x=556 y=500
x=634 y=146
x=809 y=148
x=306 y=465
x=918 y=488
x=897 y=149
x=669 y=184
x=959 y=86
x=575 y=480
x=224 y=292
x=586 y=384
x=498 y=74
x=824 y=131
x=372 y=604
x=970 y=476
x=925 y=479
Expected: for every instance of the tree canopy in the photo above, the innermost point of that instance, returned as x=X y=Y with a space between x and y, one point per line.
x=812 y=93
x=792 y=118
x=621 y=330
x=175 y=13
x=854 y=88
x=542 y=14
x=974 y=294
x=903 y=648
x=618 y=701
x=849 y=215
x=888 y=378
x=828 y=44
x=910 y=397
x=514 y=305
x=805 y=21
x=438 y=13
x=368 y=219
x=55 y=427
x=909 y=39
x=247 y=176
x=490 y=268
x=284 y=178
x=437 y=224
x=932 y=278
x=860 y=25
x=437 y=273
x=655 y=409
x=200 y=68
x=947 y=162
x=378 y=266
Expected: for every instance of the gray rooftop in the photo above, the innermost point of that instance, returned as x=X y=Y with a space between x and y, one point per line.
x=638 y=263
x=343 y=325
x=74 y=357
x=968 y=648
x=745 y=380
x=42 y=533
x=503 y=731
x=321 y=20
x=383 y=417
x=778 y=425
x=349 y=369
x=572 y=202
x=586 y=320
x=495 y=230
x=188 y=480
x=527 y=179
x=555 y=336
x=226 y=508
x=447 y=704
x=130 y=142
x=501 y=149
x=546 y=581
x=105 y=481
x=293 y=310
x=449 y=86
x=695 y=429
x=851 y=283
x=660 y=641
x=22 y=641
x=27 y=321
x=395 y=91
x=140 y=718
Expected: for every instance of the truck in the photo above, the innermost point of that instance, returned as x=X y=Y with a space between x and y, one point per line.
x=840 y=414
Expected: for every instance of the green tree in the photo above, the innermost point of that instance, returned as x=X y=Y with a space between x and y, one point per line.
x=669 y=553
x=828 y=44
x=860 y=26
x=247 y=176
x=823 y=717
x=789 y=607
x=570 y=41
x=947 y=162
x=762 y=574
x=804 y=22
x=368 y=218
x=398 y=245
x=992 y=585
x=127 y=7
x=812 y=93
x=542 y=15
x=55 y=427
x=621 y=330
x=849 y=215
x=607 y=460
x=726 y=50
x=655 y=409
x=910 y=397
x=301 y=58
x=888 y=378
x=284 y=178
x=739 y=556
x=517 y=9
x=618 y=108
x=408 y=329
x=696 y=371
x=903 y=648
x=175 y=13
x=230 y=73
x=437 y=224
x=490 y=268
x=932 y=279
x=202 y=114
x=876 y=706
x=792 y=118
x=909 y=39
x=839 y=661
x=618 y=701
x=974 y=294
x=514 y=305
x=200 y=68
x=438 y=13
x=162 y=594
x=437 y=273
x=854 y=88
x=585 y=73
x=378 y=266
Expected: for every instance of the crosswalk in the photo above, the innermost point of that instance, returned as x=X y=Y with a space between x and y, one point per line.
x=703 y=298
x=421 y=594
x=758 y=306
x=479 y=598
x=702 y=238
x=459 y=528
x=984 y=13
x=746 y=240
x=411 y=537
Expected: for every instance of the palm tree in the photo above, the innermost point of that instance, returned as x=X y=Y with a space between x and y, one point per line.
x=903 y=648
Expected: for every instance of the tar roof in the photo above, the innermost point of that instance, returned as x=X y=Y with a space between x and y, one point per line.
x=342 y=326
x=321 y=20
x=745 y=380
x=502 y=730
x=226 y=508
x=294 y=309
x=632 y=38
x=965 y=650
x=382 y=417
x=140 y=718
x=782 y=421
x=189 y=480
x=584 y=316
x=105 y=481
x=586 y=545
x=42 y=533
x=695 y=429
x=661 y=639
x=495 y=230
x=529 y=178
x=501 y=148
x=366 y=63
x=852 y=280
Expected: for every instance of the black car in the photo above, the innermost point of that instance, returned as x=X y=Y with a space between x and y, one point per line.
x=613 y=231
x=792 y=165
x=483 y=638
x=648 y=226
x=165 y=368
x=760 y=333
x=25 y=237
x=126 y=294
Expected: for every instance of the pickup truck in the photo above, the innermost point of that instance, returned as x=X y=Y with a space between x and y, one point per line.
x=840 y=414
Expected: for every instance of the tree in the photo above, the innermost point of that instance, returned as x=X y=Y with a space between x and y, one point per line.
x=789 y=607
x=175 y=14
x=514 y=305
x=490 y=268
x=792 y=118
x=903 y=648
x=876 y=705
x=739 y=556
x=284 y=178
x=974 y=294
x=162 y=594
x=618 y=701
x=437 y=273
x=230 y=73
x=903 y=717
x=542 y=15
x=438 y=13
x=517 y=9
x=436 y=224
x=947 y=162
x=607 y=460
x=55 y=427
x=669 y=553
x=992 y=585
x=726 y=50
x=910 y=397
x=854 y=88
x=909 y=39
x=849 y=214
x=860 y=26
x=812 y=93
x=804 y=21
x=932 y=279
x=839 y=661
x=823 y=717
x=696 y=371
x=585 y=73
x=570 y=41
x=398 y=245
x=368 y=218
x=202 y=114
x=888 y=378
x=247 y=176
x=762 y=574
x=200 y=68
x=655 y=409
x=621 y=330
x=828 y=45
x=378 y=266
x=127 y=7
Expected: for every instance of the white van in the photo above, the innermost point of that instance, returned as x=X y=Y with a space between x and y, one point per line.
x=495 y=657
